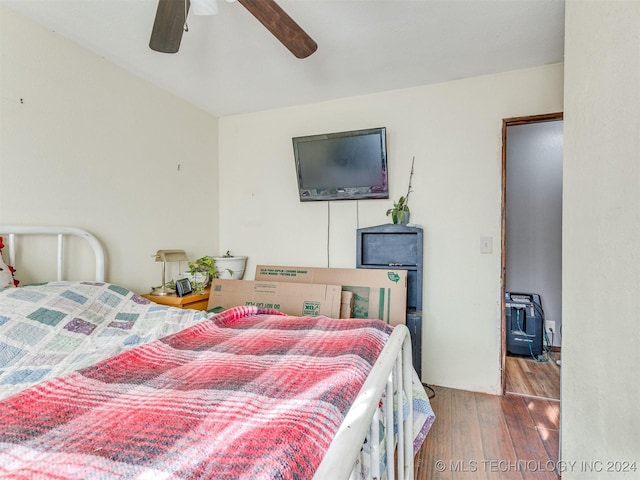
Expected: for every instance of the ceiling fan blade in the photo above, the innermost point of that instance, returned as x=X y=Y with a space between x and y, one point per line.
x=282 y=26
x=168 y=25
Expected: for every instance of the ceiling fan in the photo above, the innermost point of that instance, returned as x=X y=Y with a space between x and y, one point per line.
x=171 y=17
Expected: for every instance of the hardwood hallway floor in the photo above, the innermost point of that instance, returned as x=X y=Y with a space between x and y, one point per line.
x=482 y=436
x=526 y=376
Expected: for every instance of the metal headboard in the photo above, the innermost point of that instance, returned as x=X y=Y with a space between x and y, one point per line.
x=11 y=231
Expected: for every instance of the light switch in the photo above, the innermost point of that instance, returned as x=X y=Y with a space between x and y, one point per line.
x=486 y=244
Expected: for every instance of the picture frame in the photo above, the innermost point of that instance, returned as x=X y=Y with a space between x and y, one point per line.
x=183 y=287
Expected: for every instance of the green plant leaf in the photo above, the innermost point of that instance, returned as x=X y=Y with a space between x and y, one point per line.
x=205 y=265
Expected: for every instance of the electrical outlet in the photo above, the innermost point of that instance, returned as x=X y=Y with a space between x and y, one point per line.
x=550 y=327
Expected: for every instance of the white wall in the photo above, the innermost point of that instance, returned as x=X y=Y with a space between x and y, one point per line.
x=454 y=131
x=534 y=216
x=85 y=144
x=601 y=232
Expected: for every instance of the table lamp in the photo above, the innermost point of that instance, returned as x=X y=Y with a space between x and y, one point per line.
x=165 y=256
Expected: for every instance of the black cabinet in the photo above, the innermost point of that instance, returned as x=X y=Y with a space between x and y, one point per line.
x=397 y=246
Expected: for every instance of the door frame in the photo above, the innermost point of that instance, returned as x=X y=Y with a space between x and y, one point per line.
x=508 y=122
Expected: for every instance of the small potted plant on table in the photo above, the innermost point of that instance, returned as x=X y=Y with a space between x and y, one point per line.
x=200 y=273
x=400 y=211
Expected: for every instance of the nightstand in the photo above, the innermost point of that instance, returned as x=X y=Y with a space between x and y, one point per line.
x=194 y=301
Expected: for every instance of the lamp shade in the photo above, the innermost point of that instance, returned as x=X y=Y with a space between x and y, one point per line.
x=171 y=256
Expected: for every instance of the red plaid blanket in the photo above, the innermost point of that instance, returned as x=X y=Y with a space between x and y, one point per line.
x=248 y=394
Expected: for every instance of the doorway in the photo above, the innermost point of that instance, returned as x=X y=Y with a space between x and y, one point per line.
x=531 y=261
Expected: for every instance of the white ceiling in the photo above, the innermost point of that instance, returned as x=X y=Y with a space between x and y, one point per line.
x=230 y=63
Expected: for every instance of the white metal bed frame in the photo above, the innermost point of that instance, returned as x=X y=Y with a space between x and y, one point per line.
x=391 y=374
x=15 y=230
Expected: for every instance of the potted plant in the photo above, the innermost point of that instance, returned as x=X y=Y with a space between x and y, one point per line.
x=230 y=266
x=201 y=271
x=400 y=211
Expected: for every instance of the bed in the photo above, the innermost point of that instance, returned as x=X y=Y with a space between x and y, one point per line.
x=96 y=381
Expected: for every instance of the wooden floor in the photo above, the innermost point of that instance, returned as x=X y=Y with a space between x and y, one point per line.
x=526 y=376
x=482 y=436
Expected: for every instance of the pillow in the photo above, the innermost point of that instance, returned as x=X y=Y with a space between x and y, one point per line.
x=6 y=272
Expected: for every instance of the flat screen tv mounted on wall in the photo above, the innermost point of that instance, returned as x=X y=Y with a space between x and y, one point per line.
x=342 y=166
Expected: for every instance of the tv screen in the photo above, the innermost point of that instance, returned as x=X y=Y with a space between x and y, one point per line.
x=342 y=166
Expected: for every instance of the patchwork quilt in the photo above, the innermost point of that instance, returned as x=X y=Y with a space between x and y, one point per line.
x=247 y=394
x=58 y=327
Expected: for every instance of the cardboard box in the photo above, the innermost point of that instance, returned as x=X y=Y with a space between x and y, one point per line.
x=291 y=298
x=377 y=293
